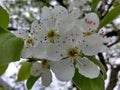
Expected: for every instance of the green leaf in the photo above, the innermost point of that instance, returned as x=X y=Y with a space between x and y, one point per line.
x=10 y=47
x=3 y=69
x=30 y=82
x=24 y=71
x=110 y=16
x=4 y=18
x=84 y=83
x=2 y=88
x=94 y=60
x=95 y=3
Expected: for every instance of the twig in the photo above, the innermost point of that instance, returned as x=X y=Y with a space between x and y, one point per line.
x=102 y=60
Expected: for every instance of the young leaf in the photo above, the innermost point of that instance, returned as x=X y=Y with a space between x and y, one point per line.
x=24 y=71
x=95 y=3
x=10 y=47
x=30 y=82
x=110 y=16
x=84 y=83
x=94 y=60
x=3 y=69
x=4 y=18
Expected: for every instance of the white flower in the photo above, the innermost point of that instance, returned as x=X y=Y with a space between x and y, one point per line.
x=69 y=52
x=29 y=41
x=42 y=69
x=91 y=42
x=58 y=51
x=53 y=23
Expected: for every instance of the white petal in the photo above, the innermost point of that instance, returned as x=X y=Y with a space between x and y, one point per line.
x=26 y=52
x=60 y=12
x=65 y=24
x=71 y=38
x=22 y=34
x=47 y=18
x=36 y=69
x=55 y=53
x=91 y=44
x=39 y=51
x=38 y=31
x=46 y=77
x=91 y=21
x=63 y=69
x=104 y=49
x=75 y=13
x=87 y=68
x=35 y=27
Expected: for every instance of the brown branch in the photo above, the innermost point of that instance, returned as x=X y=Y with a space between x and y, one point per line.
x=102 y=60
x=113 y=33
x=117 y=41
x=113 y=77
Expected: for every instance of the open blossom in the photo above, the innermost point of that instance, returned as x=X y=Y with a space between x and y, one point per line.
x=70 y=53
x=30 y=41
x=42 y=69
x=51 y=28
x=92 y=42
x=52 y=23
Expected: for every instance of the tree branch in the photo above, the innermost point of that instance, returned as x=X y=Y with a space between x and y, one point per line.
x=102 y=60
x=113 y=77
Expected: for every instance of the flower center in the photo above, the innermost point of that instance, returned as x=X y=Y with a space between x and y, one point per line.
x=87 y=33
x=73 y=53
x=45 y=63
x=29 y=42
x=52 y=35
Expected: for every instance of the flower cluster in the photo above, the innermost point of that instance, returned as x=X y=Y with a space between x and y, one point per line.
x=58 y=43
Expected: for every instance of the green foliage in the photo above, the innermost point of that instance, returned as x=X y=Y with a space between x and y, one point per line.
x=10 y=47
x=94 y=4
x=94 y=60
x=4 y=18
x=110 y=16
x=30 y=82
x=2 y=88
x=3 y=69
x=84 y=83
x=24 y=71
